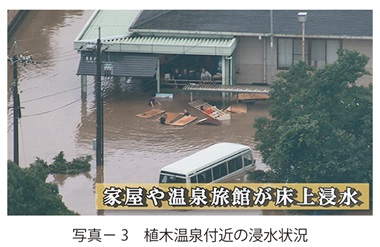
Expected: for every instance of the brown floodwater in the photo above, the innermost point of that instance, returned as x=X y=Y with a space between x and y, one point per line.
x=56 y=118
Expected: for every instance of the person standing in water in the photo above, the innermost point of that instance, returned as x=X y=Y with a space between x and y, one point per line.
x=153 y=101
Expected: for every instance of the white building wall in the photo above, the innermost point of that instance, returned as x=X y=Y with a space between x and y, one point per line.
x=249 y=60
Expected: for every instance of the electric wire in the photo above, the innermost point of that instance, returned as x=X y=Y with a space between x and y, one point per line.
x=12 y=48
x=54 y=94
x=65 y=59
x=55 y=109
x=30 y=39
x=60 y=57
x=65 y=53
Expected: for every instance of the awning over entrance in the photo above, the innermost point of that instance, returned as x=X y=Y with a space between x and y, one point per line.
x=171 y=45
x=118 y=64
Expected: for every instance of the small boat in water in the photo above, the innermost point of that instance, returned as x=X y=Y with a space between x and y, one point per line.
x=209 y=121
x=210 y=110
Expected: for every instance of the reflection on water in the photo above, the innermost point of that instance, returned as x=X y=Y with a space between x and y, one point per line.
x=57 y=118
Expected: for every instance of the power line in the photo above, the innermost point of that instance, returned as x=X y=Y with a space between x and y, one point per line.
x=12 y=48
x=29 y=40
x=65 y=59
x=51 y=95
x=45 y=112
x=59 y=60
x=65 y=52
x=60 y=57
x=55 y=109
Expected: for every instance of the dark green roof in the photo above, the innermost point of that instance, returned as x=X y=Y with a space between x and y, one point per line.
x=352 y=23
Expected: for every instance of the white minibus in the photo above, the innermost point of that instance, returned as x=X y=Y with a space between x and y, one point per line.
x=216 y=163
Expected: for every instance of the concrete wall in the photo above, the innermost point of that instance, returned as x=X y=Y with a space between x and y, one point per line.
x=249 y=59
x=250 y=56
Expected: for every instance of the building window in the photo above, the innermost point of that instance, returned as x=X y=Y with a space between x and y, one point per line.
x=297 y=50
x=284 y=53
x=318 y=52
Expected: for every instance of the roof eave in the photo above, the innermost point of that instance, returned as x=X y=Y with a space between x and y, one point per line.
x=208 y=34
x=238 y=34
x=87 y=25
x=323 y=36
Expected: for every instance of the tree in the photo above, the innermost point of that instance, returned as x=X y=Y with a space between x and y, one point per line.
x=320 y=125
x=29 y=194
x=62 y=166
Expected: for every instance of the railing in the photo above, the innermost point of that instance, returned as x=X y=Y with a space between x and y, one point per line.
x=227 y=88
x=182 y=82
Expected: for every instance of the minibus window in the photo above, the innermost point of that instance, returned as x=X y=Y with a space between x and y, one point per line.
x=163 y=178
x=219 y=171
x=234 y=164
x=171 y=179
x=247 y=159
x=205 y=177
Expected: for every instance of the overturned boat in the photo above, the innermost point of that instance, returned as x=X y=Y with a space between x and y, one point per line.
x=210 y=110
x=209 y=121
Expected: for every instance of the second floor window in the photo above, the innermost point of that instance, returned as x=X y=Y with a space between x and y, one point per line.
x=318 y=52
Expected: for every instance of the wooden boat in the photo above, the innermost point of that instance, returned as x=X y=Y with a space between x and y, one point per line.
x=209 y=121
x=170 y=117
x=177 y=119
x=210 y=110
x=184 y=121
x=237 y=108
x=150 y=113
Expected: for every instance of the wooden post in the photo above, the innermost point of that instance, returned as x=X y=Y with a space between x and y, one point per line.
x=158 y=76
x=83 y=83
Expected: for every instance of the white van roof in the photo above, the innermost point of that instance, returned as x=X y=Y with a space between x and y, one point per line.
x=205 y=157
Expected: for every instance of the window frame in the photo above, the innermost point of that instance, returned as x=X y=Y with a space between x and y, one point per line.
x=308 y=51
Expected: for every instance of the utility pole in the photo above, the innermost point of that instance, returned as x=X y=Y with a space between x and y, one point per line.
x=16 y=99
x=16 y=110
x=99 y=105
x=16 y=105
x=271 y=47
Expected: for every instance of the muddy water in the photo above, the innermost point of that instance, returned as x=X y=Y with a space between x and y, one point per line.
x=56 y=118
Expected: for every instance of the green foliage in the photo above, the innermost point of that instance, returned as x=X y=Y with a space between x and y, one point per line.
x=320 y=128
x=29 y=194
x=62 y=166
